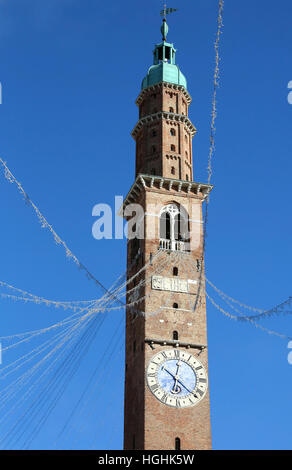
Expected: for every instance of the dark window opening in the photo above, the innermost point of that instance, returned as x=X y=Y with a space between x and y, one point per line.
x=187 y=177
x=177 y=443
x=134 y=346
x=165 y=226
x=153 y=149
x=181 y=228
x=175 y=305
x=171 y=110
x=172 y=132
x=175 y=336
x=177 y=227
x=135 y=247
x=153 y=172
x=172 y=170
x=175 y=271
x=167 y=53
x=172 y=148
x=154 y=133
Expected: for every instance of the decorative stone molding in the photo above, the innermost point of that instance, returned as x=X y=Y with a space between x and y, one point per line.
x=144 y=182
x=164 y=115
x=170 y=86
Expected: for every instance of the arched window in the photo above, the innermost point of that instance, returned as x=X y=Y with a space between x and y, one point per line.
x=172 y=132
x=174 y=228
x=175 y=271
x=175 y=305
x=172 y=148
x=171 y=110
x=177 y=443
x=154 y=132
x=187 y=177
x=175 y=336
x=153 y=149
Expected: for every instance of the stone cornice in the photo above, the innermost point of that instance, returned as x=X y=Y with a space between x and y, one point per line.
x=164 y=115
x=150 y=182
x=171 y=86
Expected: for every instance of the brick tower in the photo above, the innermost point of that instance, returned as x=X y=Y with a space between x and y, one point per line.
x=166 y=373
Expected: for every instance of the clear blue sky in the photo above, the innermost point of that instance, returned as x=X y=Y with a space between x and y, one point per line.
x=70 y=72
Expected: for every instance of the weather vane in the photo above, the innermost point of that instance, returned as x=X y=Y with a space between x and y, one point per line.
x=167 y=11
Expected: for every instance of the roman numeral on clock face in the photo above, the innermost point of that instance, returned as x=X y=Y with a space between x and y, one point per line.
x=163 y=398
x=200 y=392
x=177 y=354
x=203 y=381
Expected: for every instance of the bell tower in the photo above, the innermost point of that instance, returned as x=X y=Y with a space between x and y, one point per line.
x=166 y=371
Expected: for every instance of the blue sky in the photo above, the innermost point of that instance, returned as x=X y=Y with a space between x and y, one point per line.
x=70 y=73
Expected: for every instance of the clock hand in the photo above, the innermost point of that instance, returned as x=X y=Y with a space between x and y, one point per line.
x=175 y=388
x=179 y=380
x=166 y=370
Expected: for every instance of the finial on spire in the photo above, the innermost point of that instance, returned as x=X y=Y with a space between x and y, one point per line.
x=164 y=13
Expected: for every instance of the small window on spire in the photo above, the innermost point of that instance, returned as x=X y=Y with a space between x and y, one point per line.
x=175 y=305
x=171 y=110
x=172 y=132
x=177 y=443
x=172 y=148
x=172 y=170
x=175 y=271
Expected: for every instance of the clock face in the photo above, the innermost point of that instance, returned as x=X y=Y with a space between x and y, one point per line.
x=177 y=378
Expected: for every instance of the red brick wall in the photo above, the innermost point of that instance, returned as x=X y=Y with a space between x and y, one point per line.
x=154 y=152
x=155 y=425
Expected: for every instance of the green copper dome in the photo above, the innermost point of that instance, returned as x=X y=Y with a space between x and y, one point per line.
x=164 y=68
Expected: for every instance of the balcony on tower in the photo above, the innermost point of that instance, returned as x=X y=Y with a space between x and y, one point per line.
x=174 y=229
